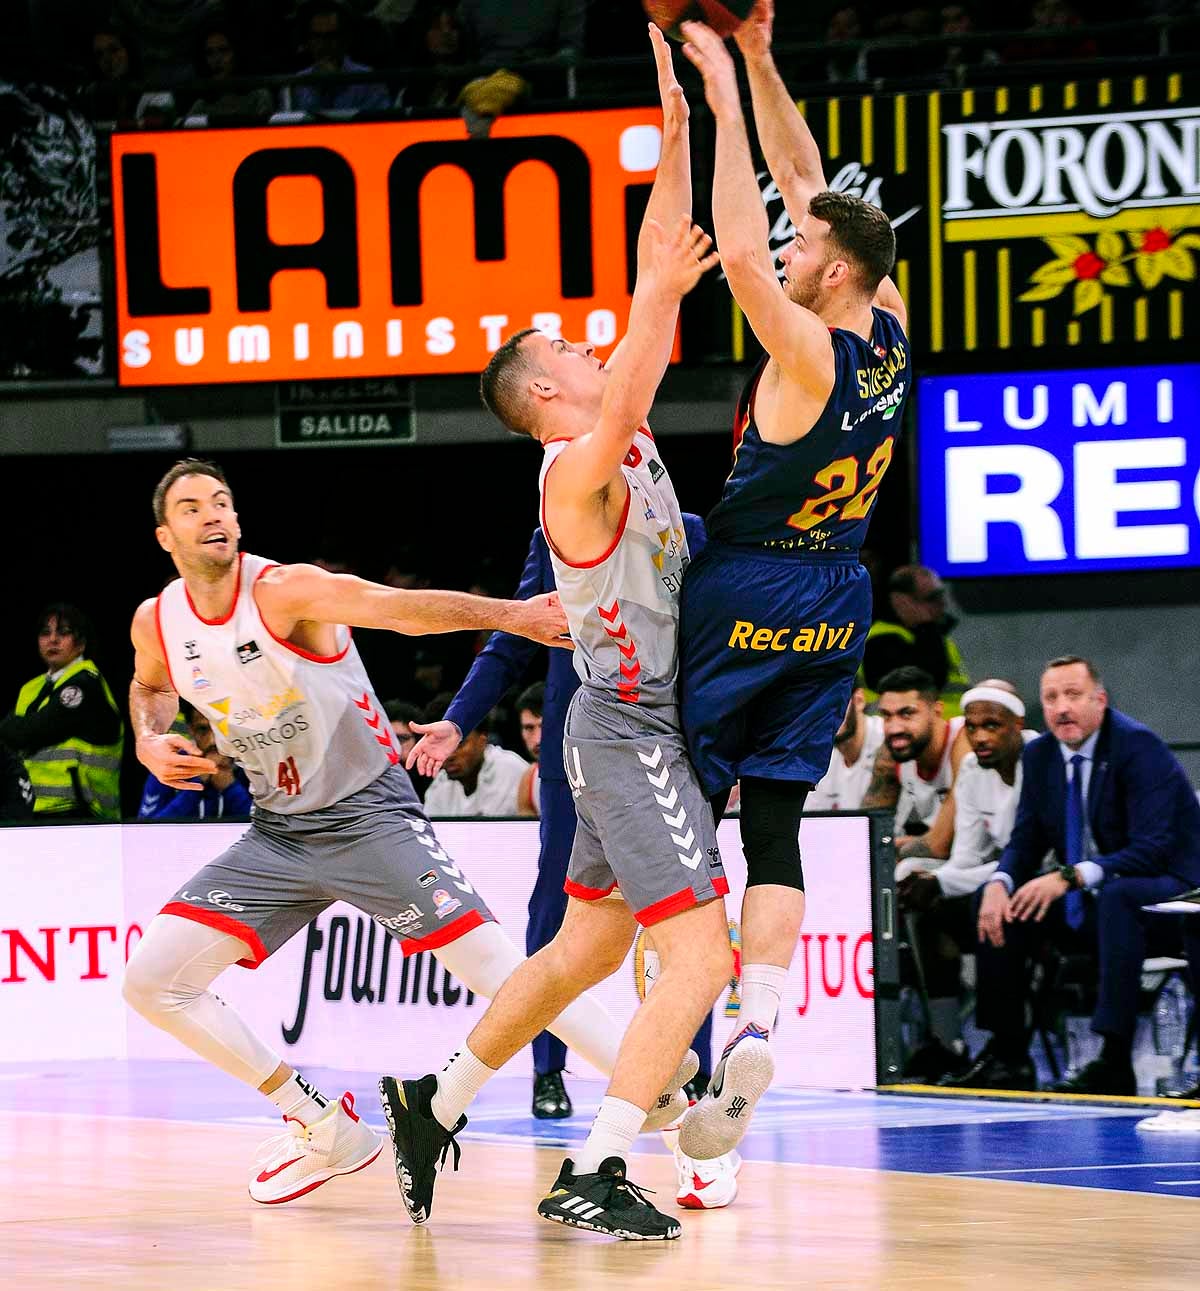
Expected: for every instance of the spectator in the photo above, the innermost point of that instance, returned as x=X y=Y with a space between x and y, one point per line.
x=478 y=778
x=224 y=794
x=433 y=43
x=506 y=35
x=938 y=895
x=217 y=60
x=915 y=632
x=67 y=726
x=16 y=789
x=855 y=748
x=115 y=71
x=1048 y=36
x=325 y=26
x=1109 y=798
x=845 y=30
x=914 y=770
x=530 y=703
x=957 y=20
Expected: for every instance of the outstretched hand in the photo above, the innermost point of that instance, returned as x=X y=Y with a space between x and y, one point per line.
x=674 y=103
x=710 y=55
x=677 y=258
x=438 y=740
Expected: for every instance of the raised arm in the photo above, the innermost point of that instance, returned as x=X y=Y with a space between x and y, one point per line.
x=153 y=703
x=794 y=336
x=292 y=594
x=791 y=152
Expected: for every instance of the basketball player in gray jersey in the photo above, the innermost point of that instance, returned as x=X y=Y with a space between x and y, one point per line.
x=264 y=652
x=613 y=525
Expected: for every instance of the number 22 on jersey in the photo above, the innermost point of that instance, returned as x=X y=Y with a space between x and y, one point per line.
x=840 y=480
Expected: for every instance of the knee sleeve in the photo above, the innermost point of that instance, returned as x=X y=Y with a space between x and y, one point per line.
x=771 y=812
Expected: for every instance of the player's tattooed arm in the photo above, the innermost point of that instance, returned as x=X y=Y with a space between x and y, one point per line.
x=153 y=704
x=290 y=595
x=884 y=789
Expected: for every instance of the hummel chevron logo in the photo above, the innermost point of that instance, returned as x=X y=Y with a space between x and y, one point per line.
x=628 y=650
x=684 y=840
x=364 y=703
x=609 y=615
x=676 y=822
x=691 y=861
x=670 y=800
x=658 y=781
x=654 y=759
x=374 y=720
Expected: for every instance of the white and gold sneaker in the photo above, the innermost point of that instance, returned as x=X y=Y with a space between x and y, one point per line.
x=303 y=1157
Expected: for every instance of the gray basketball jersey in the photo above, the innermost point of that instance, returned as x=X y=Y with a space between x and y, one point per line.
x=307 y=729
x=623 y=609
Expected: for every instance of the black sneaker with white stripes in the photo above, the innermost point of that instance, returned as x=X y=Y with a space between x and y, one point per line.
x=606 y=1202
x=419 y=1140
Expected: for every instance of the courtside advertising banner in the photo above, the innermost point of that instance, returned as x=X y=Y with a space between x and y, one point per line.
x=340 y=994
x=372 y=249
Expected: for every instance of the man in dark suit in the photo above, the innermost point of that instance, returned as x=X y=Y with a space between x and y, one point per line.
x=501 y=664
x=1109 y=799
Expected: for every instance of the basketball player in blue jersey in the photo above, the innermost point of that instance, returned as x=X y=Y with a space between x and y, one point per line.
x=775 y=611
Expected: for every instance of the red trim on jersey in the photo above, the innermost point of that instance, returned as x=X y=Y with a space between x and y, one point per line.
x=237 y=590
x=573 y=889
x=952 y=731
x=287 y=645
x=587 y=564
x=162 y=642
x=676 y=903
x=645 y=430
x=452 y=931
x=222 y=923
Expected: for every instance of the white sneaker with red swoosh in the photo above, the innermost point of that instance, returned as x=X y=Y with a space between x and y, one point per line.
x=703 y=1185
x=303 y=1157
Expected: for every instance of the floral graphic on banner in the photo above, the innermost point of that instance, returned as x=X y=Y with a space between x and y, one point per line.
x=1161 y=252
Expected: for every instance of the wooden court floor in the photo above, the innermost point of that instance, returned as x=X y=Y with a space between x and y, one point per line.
x=136 y=1203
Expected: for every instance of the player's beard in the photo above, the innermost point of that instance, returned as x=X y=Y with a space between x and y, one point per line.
x=913 y=750
x=807 y=291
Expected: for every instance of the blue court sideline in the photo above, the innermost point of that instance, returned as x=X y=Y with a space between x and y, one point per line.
x=1087 y=1146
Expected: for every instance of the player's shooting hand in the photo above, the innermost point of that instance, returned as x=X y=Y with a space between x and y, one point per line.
x=994 y=912
x=754 y=35
x=678 y=257
x=674 y=104
x=708 y=52
x=541 y=618
x=174 y=761
x=438 y=740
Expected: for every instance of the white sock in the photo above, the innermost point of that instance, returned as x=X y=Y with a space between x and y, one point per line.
x=762 y=989
x=300 y=1100
x=616 y=1126
x=457 y=1084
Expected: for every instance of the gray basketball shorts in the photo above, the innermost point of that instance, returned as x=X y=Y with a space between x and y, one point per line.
x=644 y=824
x=375 y=850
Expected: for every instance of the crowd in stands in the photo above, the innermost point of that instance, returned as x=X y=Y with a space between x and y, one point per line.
x=156 y=62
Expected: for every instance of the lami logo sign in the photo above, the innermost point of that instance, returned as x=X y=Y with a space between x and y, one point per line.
x=1096 y=165
x=382 y=249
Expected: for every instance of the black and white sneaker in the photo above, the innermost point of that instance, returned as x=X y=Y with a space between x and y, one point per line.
x=606 y=1202
x=419 y=1140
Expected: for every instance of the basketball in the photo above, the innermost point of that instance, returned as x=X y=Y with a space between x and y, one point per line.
x=723 y=16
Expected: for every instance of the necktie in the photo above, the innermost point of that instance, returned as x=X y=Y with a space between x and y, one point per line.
x=1073 y=908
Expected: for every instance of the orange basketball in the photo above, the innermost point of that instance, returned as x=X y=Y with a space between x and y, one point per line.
x=723 y=16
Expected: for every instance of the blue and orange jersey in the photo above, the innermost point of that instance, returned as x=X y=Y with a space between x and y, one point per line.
x=816 y=493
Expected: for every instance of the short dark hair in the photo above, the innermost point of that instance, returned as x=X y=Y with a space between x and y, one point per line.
x=401 y=710
x=188 y=466
x=910 y=678
x=502 y=385
x=70 y=618
x=532 y=698
x=861 y=231
x=1066 y=660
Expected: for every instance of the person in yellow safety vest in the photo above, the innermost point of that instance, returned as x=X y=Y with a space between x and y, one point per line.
x=916 y=633
x=67 y=727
